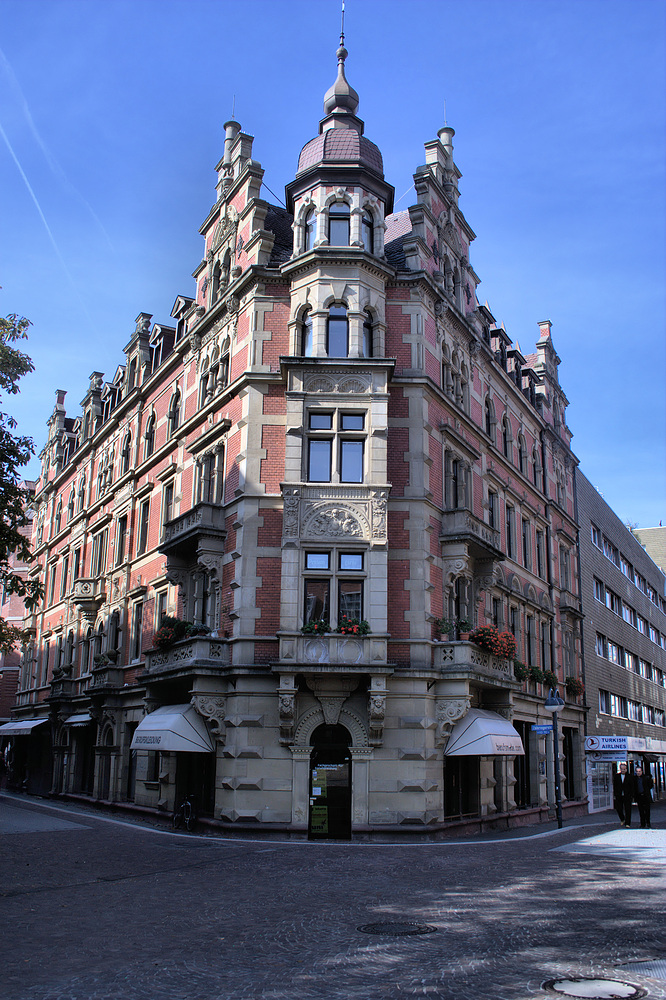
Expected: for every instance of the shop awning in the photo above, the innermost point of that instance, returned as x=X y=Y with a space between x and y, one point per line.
x=78 y=720
x=173 y=727
x=22 y=728
x=483 y=733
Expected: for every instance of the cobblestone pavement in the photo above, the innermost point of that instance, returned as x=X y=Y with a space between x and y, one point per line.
x=101 y=910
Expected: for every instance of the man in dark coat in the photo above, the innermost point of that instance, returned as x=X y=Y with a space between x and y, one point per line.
x=643 y=791
x=623 y=794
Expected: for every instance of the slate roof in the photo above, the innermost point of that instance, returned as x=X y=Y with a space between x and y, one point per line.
x=341 y=145
x=279 y=221
x=398 y=226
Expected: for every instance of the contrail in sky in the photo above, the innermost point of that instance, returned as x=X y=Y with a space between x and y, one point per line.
x=43 y=218
x=48 y=156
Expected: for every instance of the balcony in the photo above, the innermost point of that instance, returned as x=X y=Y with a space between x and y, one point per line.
x=89 y=593
x=467 y=661
x=201 y=652
x=461 y=526
x=570 y=603
x=104 y=678
x=344 y=652
x=184 y=533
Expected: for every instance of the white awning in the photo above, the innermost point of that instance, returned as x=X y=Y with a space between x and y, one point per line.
x=173 y=727
x=481 y=733
x=78 y=720
x=22 y=728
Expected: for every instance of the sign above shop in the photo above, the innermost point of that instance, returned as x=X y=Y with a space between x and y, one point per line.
x=606 y=743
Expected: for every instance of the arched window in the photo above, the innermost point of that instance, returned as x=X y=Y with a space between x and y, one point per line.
x=69 y=649
x=307 y=338
x=522 y=455
x=535 y=466
x=70 y=505
x=125 y=456
x=131 y=375
x=114 y=631
x=368 y=231
x=226 y=269
x=215 y=285
x=489 y=417
x=464 y=388
x=367 y=335
x=174 y=412
x=506 y=436
x=149 y=441
x=85 y=652
x=338 y=224
x=57 y=521
x=310 y=230
x=82 y=494
x=337 y=334
x=204 y=384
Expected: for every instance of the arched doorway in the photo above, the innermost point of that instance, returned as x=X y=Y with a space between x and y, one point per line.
x=330 y=784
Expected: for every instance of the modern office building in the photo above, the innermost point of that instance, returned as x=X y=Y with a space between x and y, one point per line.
x=327 y=458
x=624 y=632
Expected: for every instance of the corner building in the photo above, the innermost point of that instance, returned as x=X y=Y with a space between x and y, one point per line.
x=333 y=429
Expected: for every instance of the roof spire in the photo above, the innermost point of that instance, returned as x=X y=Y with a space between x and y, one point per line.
x=341 y=97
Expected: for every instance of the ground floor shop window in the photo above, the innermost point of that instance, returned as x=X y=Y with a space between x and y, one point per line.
x=461 y=787
x=522 y=767
x=569 y=762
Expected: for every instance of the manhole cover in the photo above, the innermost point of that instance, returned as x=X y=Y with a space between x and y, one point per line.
x=594 y=989
x=396 y=928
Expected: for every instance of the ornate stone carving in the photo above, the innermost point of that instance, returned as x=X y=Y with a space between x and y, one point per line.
x=449 y=710
x=377 y=709
x=333 y=522
x=359 y=382
x=213 y=711
x=287 y=707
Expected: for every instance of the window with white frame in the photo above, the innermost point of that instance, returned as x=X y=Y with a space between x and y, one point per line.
x=619 y=706
x=596 y=535
x=337 y=332
x=613 y=652
x=333 y=585
x=338 y=224
x=309 y=230
x=604 y=702
x=368 y=231
x=600 y=644
x=335 y=446
x=599 y=593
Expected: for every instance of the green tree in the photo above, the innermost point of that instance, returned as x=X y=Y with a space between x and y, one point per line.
x=15 y=452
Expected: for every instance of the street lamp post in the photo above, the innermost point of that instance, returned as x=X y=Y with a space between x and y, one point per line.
x=554 y=704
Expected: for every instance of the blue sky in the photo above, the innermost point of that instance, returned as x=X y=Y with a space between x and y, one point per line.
x=112 y=115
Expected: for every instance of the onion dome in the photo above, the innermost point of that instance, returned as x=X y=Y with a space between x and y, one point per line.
x=341 y=97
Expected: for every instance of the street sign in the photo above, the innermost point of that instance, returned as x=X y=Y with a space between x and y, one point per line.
x=542 y=729
x=606 y=743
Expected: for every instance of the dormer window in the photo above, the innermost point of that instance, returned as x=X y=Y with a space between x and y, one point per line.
x=310 y=230
x=337 y=333
x=368 y=232
x=338 y=224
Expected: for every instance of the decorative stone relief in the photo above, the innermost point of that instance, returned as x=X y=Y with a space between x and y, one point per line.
x=377 y=709
x=359 y=382
x=213 y=711
x=287 y=707
x=448 y=711
x=334 y=522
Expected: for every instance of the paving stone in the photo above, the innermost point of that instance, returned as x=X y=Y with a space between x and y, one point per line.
x=104 y=911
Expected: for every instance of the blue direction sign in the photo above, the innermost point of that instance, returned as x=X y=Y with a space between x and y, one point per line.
x=542 y=729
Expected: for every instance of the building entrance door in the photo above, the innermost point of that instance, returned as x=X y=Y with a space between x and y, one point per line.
x=330 y=784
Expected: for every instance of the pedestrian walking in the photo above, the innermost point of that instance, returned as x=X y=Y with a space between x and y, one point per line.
x=643 y=791
x=623 y=794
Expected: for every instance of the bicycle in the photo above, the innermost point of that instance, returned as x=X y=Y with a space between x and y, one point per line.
x=185 y=815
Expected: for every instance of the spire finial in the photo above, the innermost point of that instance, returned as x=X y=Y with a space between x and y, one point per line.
x=341 y=97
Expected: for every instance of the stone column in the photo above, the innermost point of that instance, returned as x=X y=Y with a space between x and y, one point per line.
x=361 y=757
x=300 y=787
